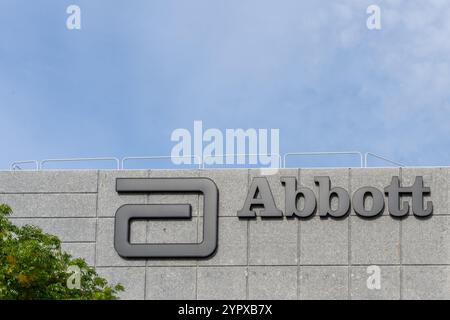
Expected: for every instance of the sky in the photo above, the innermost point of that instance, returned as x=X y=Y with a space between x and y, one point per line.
x=137 y=70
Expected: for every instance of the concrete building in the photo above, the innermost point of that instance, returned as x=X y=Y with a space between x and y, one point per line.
x=277 y=258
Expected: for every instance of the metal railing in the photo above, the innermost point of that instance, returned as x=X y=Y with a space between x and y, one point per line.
x=45 y=161
x=367 y=154
x=121 y=164
x=199 y=160
x=15 y=165
x=324 y=153
x=241 y=155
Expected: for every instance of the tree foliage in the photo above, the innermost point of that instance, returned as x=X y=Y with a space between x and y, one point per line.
x=33 y=266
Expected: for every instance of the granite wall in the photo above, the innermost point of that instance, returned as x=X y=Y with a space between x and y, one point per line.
x=256 y=258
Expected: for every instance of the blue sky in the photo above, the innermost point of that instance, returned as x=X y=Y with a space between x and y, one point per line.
x=140 y=69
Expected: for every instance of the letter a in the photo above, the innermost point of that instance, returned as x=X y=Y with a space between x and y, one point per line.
x=260 y=195
x=374 y=280
x=74 y=20
x=374 y=20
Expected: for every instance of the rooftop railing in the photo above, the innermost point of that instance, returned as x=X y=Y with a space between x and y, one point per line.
x=121 y=164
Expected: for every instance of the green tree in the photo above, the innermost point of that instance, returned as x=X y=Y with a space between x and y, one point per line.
x=33 y=266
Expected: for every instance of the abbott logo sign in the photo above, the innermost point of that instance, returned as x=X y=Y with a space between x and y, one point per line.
x=259 y=202
x=130 y=212
x=260 y=196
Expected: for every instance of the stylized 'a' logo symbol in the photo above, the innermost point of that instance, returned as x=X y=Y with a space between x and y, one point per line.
x=166 y=211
